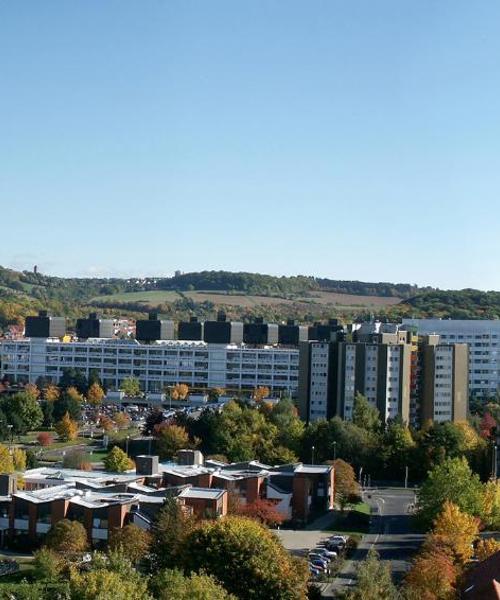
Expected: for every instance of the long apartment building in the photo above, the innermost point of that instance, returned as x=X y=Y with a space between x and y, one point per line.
x=483 y=339
x=209 y=354
x=156 y=365
x=401 y=376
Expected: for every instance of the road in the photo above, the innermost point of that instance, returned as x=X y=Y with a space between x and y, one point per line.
x=390 y=535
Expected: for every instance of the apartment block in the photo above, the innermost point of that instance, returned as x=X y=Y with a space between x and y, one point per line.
x=156 y=365
x=483 y=340
x=403 y=375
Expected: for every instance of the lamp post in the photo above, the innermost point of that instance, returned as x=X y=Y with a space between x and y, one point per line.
x=11 y=436
x=334 y=451
x=312 y=455
x=126 y=444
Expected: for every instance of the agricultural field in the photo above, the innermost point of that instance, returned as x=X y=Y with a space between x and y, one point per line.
x=153 y=298
x=235 y=299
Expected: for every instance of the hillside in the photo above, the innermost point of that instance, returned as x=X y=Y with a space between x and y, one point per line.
x=241 y=295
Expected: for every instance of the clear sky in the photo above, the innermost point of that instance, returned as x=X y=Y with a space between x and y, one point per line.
x=347 y=139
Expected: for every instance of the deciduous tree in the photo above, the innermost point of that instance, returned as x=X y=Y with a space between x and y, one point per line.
x=487 y=548
x=122 y=420
x=95 y=394
x=131 y=387
x=172 y=584
x=117 y=461
x=455 y=529
x=6 y=462
x=346 y=486
x=169 y=531
x=19 y=459
x=67 y=429
x=260 y=393
x=374 y=580
x=365 y=415
x=51 y=393
x=432 y=577
x=454 y=481
x=170 y=439
x=263 y=511
x=246 y=558
x=67 y=537
x=133 y=541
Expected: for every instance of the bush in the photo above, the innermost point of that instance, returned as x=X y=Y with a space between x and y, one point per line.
x=45 y=439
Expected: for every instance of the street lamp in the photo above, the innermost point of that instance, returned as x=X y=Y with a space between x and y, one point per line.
x=312 y=455
x=11 y=435
x=126 y=444
x=334 y=450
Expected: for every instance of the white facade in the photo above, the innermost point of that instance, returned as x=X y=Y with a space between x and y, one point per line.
x=319 y=381
x=234 y=367
x=483 y=339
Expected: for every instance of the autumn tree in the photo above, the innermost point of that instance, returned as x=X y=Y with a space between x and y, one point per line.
x=131 y=387
x=263 y=511
x=432 y=576
x=374 y=580
x=32 y=390
x=6 y=462
x=246 y=558
x=487 y=548
x=95 y=394
x=22 y=411
x=67 y=429
x=170 y=439
x=44 y=438
x=73 y=393
x=346 y=486
x=67 y=537
x=133 y=541
x=51 y=393
x=456 y=530
x=106 y=423
x=122 y=420
x=117 y=461
x=491 y=504
x=260 y=393
x=179 y=392
x=487 y=426
x=19 y=459
x=169 y=584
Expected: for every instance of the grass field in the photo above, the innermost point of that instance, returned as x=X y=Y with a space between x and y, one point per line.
x=154 y=298
x=355 y=520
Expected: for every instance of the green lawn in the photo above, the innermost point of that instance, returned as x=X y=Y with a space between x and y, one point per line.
x=97 y=456
x=353 y=520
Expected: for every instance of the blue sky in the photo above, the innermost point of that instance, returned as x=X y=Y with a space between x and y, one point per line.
x=353 y=140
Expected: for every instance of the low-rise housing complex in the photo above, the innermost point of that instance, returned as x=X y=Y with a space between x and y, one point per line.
x=104 y=501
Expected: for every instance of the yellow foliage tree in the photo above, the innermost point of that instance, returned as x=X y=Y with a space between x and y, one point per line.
x=471 y=439
x=67 y=429
x=51 y=393
x=260 y=393
x=32 y=390
x=122 y=420
x=6 y=462
x=179 y=391
x=491 y=504
x=95 y=394
x=73 y=393
x=19 y=459
x=487 y=548
x=456 y=530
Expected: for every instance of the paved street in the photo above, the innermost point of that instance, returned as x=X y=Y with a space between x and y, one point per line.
x=390 y=535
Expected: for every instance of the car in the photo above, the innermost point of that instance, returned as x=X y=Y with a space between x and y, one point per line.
x=338 y=538
x=318 y=564
x=330 y=554
x=319 y=557
x=314 y=570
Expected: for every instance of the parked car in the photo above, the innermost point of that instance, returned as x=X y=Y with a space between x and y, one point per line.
x=331 y=555
x=319 y=557
x=314 y=570
x=319 y=565
x=339 y=538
